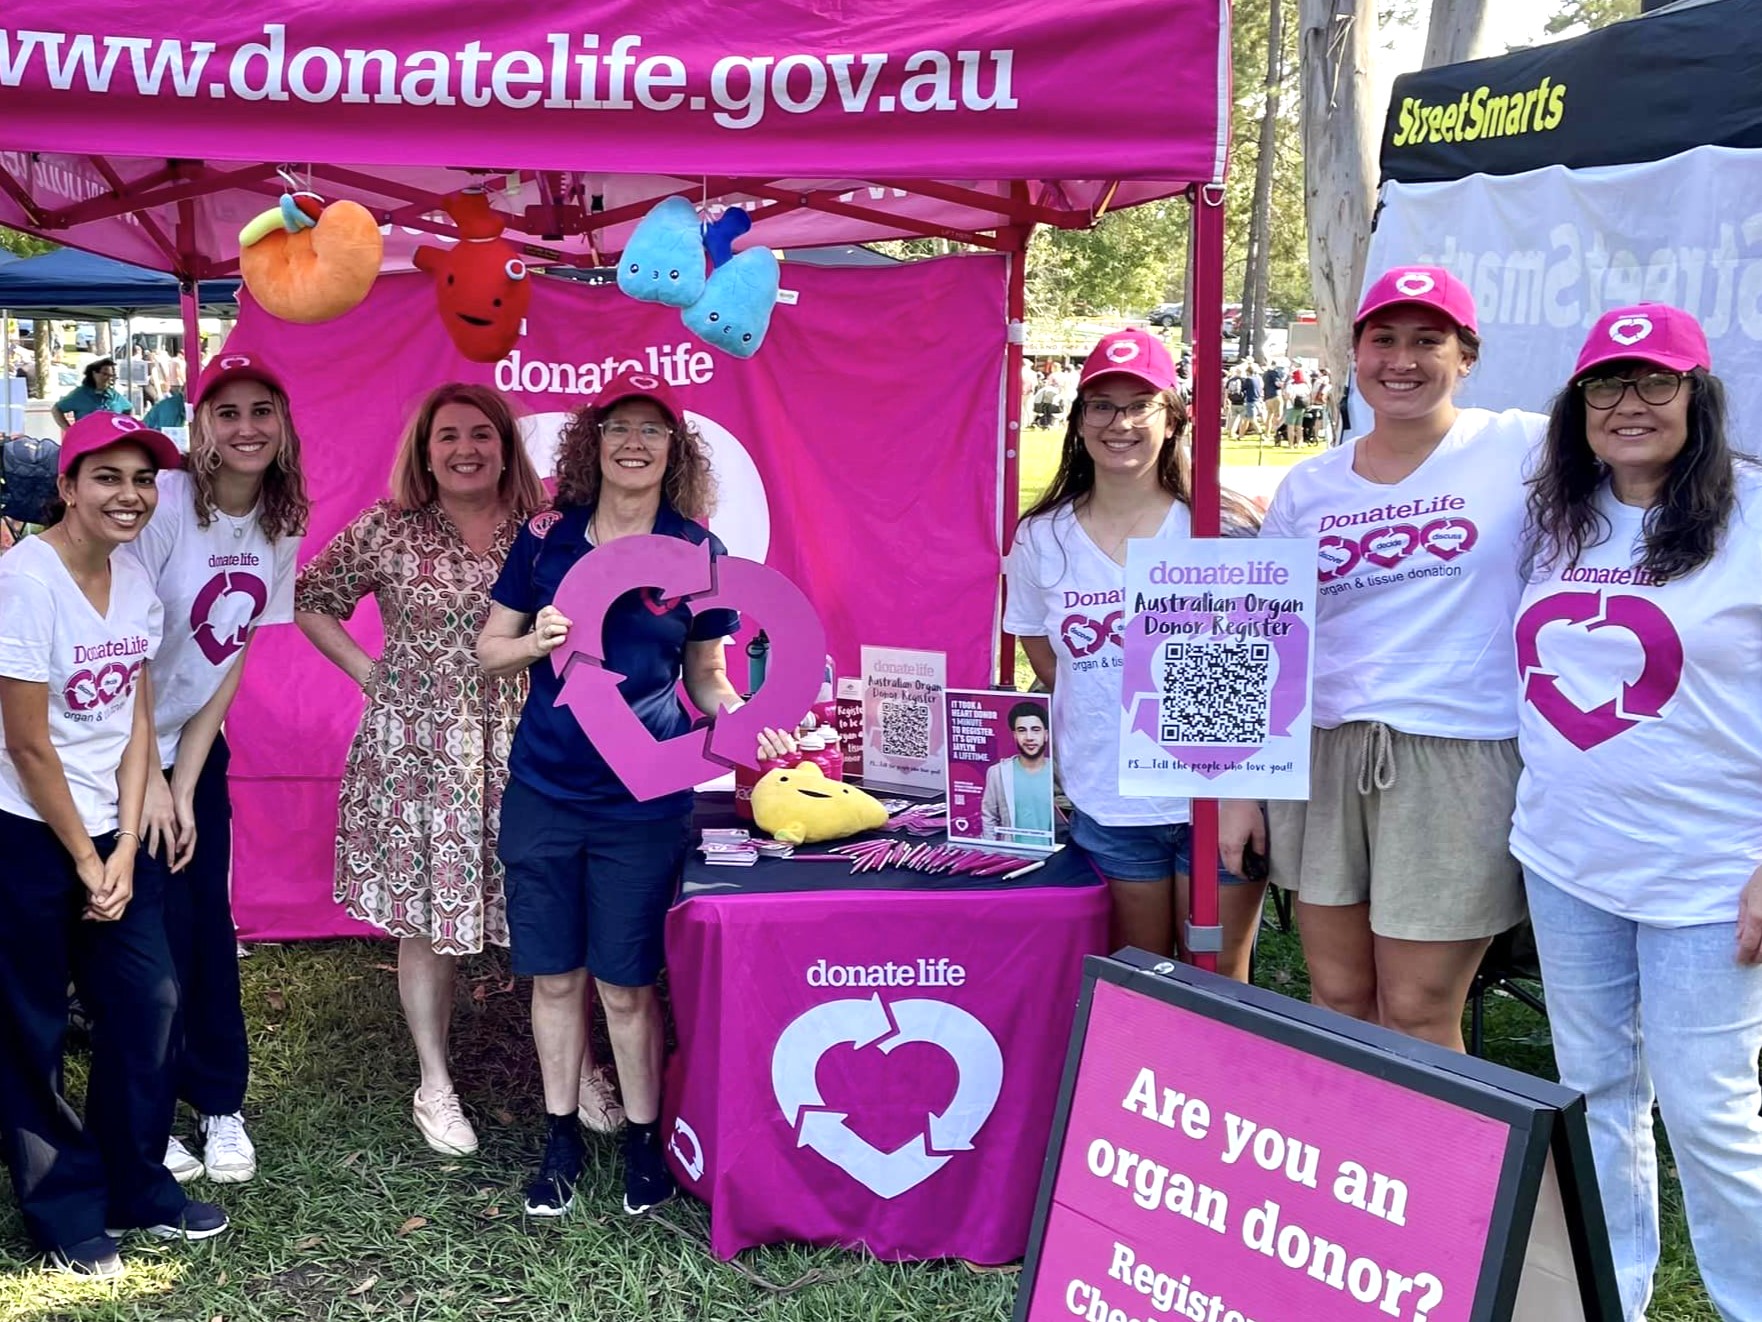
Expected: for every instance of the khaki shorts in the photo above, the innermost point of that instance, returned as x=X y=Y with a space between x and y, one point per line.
x=1417 y=826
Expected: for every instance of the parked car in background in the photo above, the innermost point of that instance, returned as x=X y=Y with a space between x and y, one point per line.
x=1166 y=314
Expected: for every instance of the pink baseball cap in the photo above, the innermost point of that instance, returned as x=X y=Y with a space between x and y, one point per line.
x=640 y=385
x=1650 y=332
x=237 y=367
x=1131 y=352
x=100 y=431
x=1431 y=285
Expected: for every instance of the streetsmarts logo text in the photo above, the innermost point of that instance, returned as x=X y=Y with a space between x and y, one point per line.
x=575 y=71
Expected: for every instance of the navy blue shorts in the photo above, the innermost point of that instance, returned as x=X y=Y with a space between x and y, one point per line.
x=1139 y=853
x=588 y=890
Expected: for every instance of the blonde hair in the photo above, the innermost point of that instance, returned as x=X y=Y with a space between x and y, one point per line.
x=284 y=503
x=412 y=482
x=688 y=485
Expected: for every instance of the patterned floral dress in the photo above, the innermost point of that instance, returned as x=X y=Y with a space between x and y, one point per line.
x=422 y=796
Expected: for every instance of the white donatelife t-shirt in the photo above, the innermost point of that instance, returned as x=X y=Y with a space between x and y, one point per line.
x=1418 y=582
x=49 y=634
x=1064 y=589
x=1641 y=725
x=217 y=583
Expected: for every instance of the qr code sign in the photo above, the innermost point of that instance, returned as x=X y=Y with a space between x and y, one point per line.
x=905 y=728
x=1216 y=693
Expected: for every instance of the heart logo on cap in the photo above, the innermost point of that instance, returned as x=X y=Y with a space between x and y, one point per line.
x=234 y=360
x=644 y=382
x=122 y=422
x=1122 y=351
x=1415 y=282
x=1630 y=330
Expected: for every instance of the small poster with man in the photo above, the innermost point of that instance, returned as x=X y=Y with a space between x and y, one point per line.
x=1000 y=784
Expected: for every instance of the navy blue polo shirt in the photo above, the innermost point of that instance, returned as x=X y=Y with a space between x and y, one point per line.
x=551 y=754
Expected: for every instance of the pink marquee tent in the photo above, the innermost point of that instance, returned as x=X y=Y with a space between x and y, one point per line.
x=153 y=133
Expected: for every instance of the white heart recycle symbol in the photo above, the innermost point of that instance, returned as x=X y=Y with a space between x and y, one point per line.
x=978 y=1064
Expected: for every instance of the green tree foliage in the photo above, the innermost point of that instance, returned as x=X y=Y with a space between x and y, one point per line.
x=23 y=245
x=1574 y=14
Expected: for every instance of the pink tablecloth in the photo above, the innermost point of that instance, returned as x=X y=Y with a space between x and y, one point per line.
x=873 y=1068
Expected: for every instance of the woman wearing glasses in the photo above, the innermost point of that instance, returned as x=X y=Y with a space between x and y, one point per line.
x=417 y=810
x=1400 y=856
x=1122 y=474
x=591 y=870
x=1639 y=817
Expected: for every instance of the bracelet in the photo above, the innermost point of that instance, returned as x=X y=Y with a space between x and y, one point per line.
x=130 y=834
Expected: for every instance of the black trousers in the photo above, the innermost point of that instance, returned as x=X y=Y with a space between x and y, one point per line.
x=73 y=1179
x=211 y=1057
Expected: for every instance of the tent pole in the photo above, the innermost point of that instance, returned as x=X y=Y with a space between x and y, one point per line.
x=1012 y=425
x=186 y=297
x=1207 y=238
x=6 y=368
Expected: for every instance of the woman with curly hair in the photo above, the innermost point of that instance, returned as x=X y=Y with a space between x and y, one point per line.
x=419 y=803
x=220 y=553
x=591 y=870
x=1639 y=817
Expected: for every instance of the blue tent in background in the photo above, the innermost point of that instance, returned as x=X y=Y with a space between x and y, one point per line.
x=76 y=284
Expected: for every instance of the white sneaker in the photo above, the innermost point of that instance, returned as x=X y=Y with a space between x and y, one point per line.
x=183 y=1164
x=598 y=1106
x=227 y=1151
x=443 y=1124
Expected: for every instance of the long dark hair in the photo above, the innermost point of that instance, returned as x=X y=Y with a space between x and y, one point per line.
x=1681 y=531
x=1075 y=477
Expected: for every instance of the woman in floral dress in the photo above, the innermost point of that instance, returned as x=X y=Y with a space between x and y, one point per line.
x=420 y=801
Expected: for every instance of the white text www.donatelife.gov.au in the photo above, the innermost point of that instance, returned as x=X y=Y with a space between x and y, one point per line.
x=573 y=72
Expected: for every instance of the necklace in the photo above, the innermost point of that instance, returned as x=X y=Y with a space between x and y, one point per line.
x=237 y=522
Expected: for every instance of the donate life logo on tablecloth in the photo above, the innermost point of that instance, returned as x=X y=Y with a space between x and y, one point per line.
x=887 y=1025
x=1209 y=1172
x=1218 y=650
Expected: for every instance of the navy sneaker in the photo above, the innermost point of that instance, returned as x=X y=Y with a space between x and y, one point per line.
x=552 y=1191
x=195 y=1221
x=647 y=1181
x=93 y=1259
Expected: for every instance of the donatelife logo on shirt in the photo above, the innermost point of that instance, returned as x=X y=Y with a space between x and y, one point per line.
x=1382 y=537
x=106 y=677
x=221 y=615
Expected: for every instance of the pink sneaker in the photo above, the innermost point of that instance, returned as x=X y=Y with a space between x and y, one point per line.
x=443 y=1124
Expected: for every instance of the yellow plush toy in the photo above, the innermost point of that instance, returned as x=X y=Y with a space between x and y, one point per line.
x=799 y=805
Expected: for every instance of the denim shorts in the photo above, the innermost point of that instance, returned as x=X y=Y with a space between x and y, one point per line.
x=1138 y=853
x=586 y=890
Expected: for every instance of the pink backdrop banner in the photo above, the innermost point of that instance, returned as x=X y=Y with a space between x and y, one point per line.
x=857 y=454
x=1203 y=1163
x=874 y=1069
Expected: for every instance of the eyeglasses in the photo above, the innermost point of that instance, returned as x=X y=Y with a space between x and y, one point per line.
x=1102 y=412
x=652 y=433
x=1605 y=392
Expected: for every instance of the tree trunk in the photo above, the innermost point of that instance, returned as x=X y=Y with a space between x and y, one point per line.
x=1458 y=32
x=101 y=338
x=44 y=334
x=1258 y=270
x=1339 y=160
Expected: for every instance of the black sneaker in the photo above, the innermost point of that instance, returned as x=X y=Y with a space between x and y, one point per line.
x=552 y=1192
x=647 y=1181
x=95 y=1259
x=195 y=1221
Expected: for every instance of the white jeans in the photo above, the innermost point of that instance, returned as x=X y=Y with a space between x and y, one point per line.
x=1635 y=1009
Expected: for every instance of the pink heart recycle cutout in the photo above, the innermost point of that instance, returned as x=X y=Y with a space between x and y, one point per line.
x=679 y=571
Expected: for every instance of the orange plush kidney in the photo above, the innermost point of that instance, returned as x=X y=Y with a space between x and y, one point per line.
x=316 y=274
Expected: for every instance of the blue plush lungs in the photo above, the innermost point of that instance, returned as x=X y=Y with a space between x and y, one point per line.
x=664 y=260
x=735 y=310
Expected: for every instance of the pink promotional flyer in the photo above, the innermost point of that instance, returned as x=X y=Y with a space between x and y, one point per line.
x=1209 y=1171
x=1000 y=759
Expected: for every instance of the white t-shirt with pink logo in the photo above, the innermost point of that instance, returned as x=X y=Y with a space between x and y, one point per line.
x=218 y=583
x=91 y=663
x=1062 y=587
x=1641 y=728
x=1418 y=581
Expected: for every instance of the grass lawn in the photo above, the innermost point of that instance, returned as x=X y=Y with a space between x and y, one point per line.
x=353 y=1218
